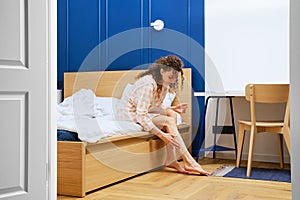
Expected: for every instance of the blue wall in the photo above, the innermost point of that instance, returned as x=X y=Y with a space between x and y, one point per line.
x=82 y=25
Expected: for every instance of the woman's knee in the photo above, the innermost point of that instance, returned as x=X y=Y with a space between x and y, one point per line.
x=170 y=121
x=171 y=113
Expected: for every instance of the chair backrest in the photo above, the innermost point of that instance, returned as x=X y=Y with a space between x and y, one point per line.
x=266 y=93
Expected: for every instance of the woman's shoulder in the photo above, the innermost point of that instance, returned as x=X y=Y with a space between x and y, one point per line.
x=146 y=80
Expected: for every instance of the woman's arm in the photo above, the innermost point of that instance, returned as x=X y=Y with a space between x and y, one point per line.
x=180 y=108
x=143 y=98
x=166 y=137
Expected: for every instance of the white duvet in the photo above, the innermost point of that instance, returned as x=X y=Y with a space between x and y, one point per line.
x=92 y=117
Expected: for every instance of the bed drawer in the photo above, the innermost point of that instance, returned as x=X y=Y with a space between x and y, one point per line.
x=111 y=162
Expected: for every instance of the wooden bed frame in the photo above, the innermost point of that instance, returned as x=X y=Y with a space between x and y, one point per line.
x=79 y=171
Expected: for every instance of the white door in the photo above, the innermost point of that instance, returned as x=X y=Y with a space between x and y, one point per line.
x=23 y=99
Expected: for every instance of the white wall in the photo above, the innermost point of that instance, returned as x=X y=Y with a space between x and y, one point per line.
x=246 y=41
x=295 y=95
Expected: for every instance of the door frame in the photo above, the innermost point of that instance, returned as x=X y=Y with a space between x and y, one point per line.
x=52 y=98
x=294 y=95
x=52 y=86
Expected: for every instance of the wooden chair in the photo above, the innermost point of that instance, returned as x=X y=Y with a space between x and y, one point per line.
x=264 y=93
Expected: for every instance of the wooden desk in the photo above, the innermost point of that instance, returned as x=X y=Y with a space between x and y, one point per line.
x=233 y=93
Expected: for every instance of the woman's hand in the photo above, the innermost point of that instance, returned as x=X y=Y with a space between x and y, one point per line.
x=180 y=108
x=169 y=139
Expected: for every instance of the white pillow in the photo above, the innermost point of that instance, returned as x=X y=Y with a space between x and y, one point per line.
x=169 y=99
x=80 y=103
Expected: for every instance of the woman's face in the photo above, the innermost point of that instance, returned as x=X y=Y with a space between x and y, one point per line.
x=169 y=77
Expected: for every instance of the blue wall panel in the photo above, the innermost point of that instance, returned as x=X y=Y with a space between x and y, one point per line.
x=175 y=16
x=83 y=32
x=122 y=16
x=198 y=80
x=78 y=33
x=82 y=25
x=62 y=50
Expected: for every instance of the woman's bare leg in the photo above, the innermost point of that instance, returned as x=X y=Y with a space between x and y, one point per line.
x=190 y=164
x=169 y=123
x=171 y=158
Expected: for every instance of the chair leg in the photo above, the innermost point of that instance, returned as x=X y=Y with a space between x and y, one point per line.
x=286 y=136
x=280 y=149
x=251 y=147
x=240 y=144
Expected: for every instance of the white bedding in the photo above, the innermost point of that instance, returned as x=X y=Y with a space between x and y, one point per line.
x=92 y=117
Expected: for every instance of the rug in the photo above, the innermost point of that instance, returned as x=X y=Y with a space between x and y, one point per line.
x=256 y=173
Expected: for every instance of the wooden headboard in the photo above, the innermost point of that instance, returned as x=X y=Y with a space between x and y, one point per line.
x=112 y=84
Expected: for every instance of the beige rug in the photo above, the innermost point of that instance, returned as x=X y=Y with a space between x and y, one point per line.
x=222 y=170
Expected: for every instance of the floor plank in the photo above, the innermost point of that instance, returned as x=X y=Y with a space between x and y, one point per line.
x=166 y=184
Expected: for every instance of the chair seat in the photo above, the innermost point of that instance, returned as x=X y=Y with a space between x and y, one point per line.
x=263 y=124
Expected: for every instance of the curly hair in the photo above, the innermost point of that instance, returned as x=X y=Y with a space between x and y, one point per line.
x=166 y=63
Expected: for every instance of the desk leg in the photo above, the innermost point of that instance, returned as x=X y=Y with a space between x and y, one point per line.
x=202 y=130
x=216 y=124
x=233 y=125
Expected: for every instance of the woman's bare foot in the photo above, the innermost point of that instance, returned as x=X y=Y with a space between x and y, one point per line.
x=197 y=169
x=178 y=167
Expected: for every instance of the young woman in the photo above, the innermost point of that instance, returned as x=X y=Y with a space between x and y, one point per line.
x=143 y=105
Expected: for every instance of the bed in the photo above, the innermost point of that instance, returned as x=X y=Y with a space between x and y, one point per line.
x=83 y=167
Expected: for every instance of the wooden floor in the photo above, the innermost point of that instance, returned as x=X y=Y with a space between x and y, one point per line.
x=168 y=185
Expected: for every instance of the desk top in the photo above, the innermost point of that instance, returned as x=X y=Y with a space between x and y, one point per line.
x=236 y=93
